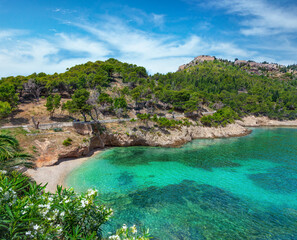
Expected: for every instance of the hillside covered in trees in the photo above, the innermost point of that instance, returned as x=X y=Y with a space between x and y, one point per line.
x=93 y=90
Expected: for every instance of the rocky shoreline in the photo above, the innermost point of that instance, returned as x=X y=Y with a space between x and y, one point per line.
x=252 y=121
x=97 y=139
x=53 y=167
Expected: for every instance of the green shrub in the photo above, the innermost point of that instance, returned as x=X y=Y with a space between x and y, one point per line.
x=165 y=122
x=58 y=129
x=5 y=109
x=67 y=142
x=222 y=117
x=186 y=122
x=34 y=149
x=143 y=116
x=28 y=212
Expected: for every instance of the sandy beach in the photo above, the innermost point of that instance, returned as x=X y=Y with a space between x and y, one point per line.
x=55 y=175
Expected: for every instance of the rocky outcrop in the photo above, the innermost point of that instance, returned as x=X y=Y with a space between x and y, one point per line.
x=167 y=137
x=197 y=60
x=252 y=67
x=267 y=66
x=51 y=152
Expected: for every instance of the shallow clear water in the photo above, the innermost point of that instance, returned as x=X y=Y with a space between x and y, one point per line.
x=236 y=188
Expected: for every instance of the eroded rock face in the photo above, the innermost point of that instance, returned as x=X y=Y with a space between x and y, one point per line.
x=168 y=137
x=83 y=129
x=51 y=152
x=74 y=152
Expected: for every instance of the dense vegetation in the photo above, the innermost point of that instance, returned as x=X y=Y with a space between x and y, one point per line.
x=218 y=84
x=211 y=85
x=222 y=117
x=28 y=212
x=162 y=121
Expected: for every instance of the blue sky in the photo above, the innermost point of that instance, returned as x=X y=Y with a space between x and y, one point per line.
x=49 y=36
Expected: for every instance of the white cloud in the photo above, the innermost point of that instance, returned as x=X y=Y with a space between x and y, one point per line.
x=82 y=44
x=9 y=33
x=261 y=17
x=109 y=38
x=25 y=56
x=158 y=19
x=158 y=53
x=140 y=17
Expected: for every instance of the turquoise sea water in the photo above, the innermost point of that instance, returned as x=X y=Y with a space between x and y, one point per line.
x=235 y=188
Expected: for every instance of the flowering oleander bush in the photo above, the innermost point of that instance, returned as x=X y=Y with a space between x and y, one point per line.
x=130 y=233
x=28 y=212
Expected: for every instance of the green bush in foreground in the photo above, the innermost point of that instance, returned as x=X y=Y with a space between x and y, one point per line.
x=28 y=212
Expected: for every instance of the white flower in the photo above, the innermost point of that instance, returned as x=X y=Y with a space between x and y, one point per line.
x=115 y=237
x=133 y=229
x=62 y=214
x=124 y=227
x=35 y=227
x=3 y=172
x=1 y=189
x=50 y=199
x=91 y=192
x=59 y=230
x=13 y=192
x=28 y=233
x=84 y=203
x=6 y=195
x=44 y=212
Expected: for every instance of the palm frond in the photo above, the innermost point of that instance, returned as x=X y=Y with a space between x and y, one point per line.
x=6 y=139
x=10 y=155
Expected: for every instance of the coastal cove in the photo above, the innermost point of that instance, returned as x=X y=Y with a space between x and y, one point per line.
x=139 y=120
x=208 y=189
